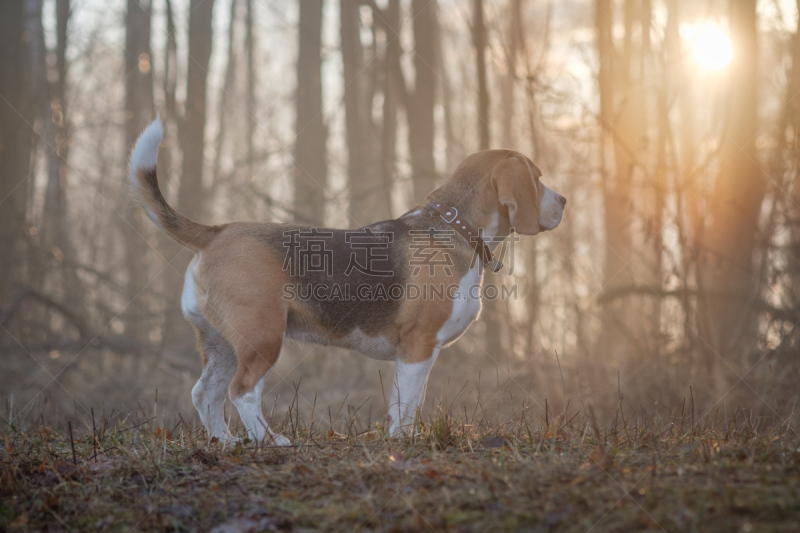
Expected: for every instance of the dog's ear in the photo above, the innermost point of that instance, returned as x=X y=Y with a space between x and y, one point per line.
x=515 y=181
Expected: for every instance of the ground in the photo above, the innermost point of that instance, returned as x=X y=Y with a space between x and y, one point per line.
x=568 y=474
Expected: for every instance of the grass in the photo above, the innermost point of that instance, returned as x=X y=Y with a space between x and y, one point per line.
x=567 y=473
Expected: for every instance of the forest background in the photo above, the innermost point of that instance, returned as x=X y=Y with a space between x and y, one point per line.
x=671 y=126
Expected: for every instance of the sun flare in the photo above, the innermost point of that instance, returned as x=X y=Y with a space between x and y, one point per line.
x=712 y=49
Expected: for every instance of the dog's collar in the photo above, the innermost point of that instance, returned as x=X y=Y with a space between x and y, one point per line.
x=450 y=215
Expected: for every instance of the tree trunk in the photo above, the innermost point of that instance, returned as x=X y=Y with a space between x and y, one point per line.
x=494 y=315
x=16 y=140
x=54 y=115
x=139 y=110
x=364 y=184
x=793 y=120
x=169 y=87
x=516 y=52
x=625 y=127
x=391 y=96
x=176 y=332
x=729 y=243
x=191 y=128
x=419 y=112
x=310 y=169
x=479 y=38
x=510 y=79
x=225 y=95
x=664 y=134
x=653 y=190
x=250 y=99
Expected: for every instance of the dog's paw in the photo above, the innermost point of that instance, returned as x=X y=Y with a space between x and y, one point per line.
x=277 y=440
x=225 y=439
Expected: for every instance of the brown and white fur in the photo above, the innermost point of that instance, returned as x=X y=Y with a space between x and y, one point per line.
x=234 y=292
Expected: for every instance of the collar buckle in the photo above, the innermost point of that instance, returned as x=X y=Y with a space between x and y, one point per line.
x=446 y=213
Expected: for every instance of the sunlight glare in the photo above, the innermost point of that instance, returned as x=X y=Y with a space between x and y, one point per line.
x=712 y=49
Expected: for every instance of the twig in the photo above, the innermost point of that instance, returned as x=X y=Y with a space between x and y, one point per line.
x=94 y=437
x=72 y=443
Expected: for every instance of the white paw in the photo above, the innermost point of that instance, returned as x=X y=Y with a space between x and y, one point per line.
x=226 y=439
x=277 y=440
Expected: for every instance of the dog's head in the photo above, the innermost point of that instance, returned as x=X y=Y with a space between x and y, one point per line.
x=507 y=182
x=532 y=207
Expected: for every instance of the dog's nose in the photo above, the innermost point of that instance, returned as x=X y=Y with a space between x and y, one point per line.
x=562 y=200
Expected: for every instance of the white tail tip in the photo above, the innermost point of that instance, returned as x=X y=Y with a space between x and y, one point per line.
x=145 y=153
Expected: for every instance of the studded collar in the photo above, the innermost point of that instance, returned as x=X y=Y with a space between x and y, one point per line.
x=450 y=215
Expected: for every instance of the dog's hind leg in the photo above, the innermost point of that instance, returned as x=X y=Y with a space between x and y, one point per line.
x=257 y=345
x=219 y=362
x=243 y=301
x=208 y=394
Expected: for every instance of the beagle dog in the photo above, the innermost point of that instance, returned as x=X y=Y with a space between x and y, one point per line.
x=399 y=290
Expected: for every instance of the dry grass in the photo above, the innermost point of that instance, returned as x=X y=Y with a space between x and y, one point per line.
x=562 y=473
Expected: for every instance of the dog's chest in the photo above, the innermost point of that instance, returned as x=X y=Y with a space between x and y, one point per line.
x=466 y=307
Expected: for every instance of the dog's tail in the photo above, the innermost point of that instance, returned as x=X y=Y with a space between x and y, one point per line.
x=144 y=185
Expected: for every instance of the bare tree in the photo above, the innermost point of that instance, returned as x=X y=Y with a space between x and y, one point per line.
x=139 y=110
x=310 y=151
x=250 y=96
x=392 y=94
x=792 y=122
x=622 y=118
x=395 y=93
x=511 y=48
x=16 y=139
x=494 y=309
x=169 y=87
x=479 y=38
x=191 y=127
x=728 y=244
x=225 y=97
x=54 y=108
x=368 y=198
x=420 y=102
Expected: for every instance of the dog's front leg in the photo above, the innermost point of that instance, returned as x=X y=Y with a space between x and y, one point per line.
x=408 y=392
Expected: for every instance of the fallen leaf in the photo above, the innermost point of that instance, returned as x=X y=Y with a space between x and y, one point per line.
x=429 y=472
